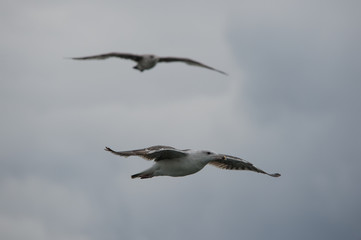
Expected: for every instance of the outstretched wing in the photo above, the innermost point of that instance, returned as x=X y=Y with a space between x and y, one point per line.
x=130 y=56
x=235 y=163
x=156 y=153
x=188 y=61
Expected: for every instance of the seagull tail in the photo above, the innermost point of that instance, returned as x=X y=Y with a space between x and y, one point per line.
x=142 y=175
x=136 y=175
x=145 y=174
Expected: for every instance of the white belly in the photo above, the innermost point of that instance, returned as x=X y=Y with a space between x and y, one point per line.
x=147 y=63
x=177 y=168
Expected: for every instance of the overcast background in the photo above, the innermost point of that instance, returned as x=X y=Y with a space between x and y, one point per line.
x=291 y=104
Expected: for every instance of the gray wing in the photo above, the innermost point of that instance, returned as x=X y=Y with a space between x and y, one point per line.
x=235 y=163
x=130 y=56
x=188 y=61
x=156 y=153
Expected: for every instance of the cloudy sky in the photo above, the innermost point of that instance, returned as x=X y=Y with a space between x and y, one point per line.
x=291 y=104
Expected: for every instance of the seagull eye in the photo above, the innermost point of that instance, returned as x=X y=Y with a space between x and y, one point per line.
x=209 y=153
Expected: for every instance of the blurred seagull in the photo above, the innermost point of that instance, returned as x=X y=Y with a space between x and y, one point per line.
x=177 y=163
x=148 y=61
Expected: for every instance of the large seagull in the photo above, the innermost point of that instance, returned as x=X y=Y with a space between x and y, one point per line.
x=177 y=163
x=147 y=61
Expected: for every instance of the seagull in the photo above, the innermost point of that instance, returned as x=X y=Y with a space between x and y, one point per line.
x=147 y=61
x=173 y=162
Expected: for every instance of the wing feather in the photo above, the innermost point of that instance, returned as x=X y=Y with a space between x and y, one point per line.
x=156 y=153
x=130 y=56
x=235 y=163
x=188 y=61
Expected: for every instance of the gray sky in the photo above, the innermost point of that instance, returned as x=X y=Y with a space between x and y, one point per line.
x=291 y=105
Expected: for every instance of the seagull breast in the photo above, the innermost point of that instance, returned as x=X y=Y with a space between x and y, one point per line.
x=179 y=166
x=147 y=62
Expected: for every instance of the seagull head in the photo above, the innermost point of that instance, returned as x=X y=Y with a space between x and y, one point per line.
x=211 y=156
x=150 y=56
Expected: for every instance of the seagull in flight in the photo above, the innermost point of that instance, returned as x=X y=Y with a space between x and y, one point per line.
x=173 y=162
x=147 y=61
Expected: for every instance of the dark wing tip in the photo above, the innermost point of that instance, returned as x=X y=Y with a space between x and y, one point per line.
x=80 y=58
x=275 y=175
x=108 y=149
x=224 y=73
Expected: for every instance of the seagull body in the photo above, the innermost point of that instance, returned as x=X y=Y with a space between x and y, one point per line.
x=177 y=163
x=147 y=61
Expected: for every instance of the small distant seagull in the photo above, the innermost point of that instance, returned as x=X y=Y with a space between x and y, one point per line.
x=147 y=61
x=177 y=163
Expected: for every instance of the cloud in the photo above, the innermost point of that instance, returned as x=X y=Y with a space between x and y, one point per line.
x=288 y=106
x=300 y=89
